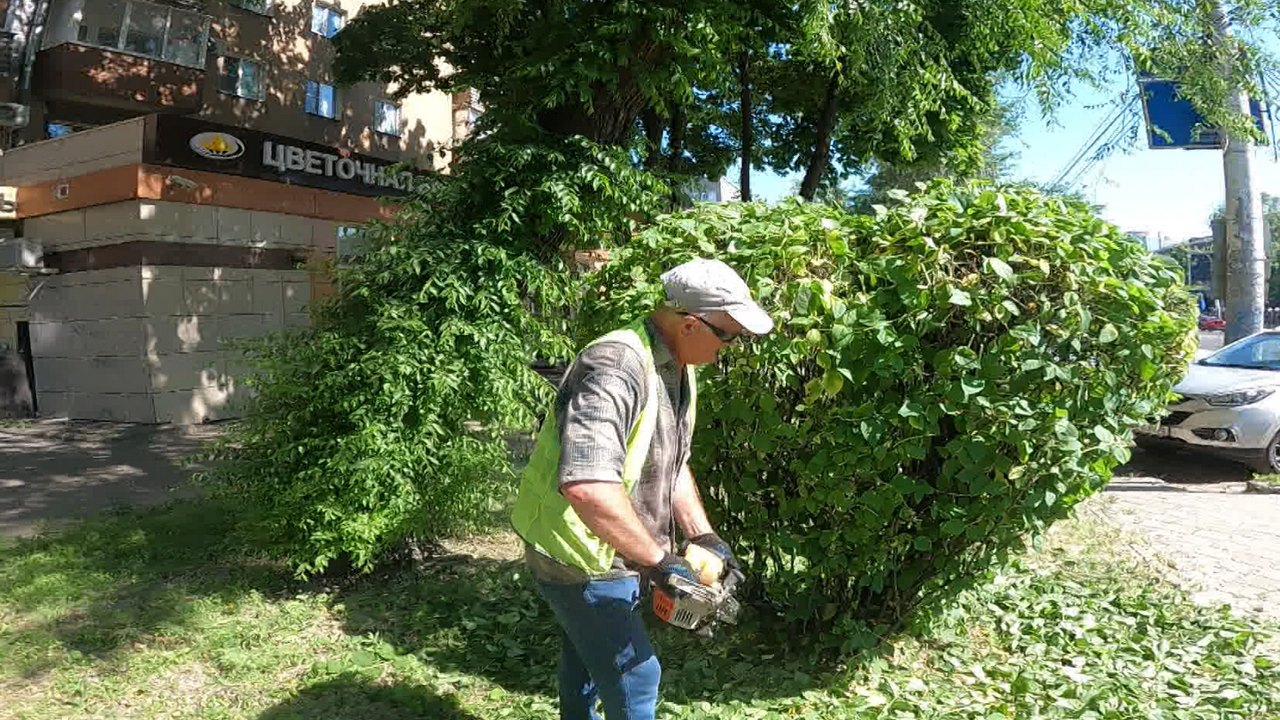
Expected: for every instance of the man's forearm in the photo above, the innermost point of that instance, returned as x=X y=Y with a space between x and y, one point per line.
x=605 y=508
x=686 y=504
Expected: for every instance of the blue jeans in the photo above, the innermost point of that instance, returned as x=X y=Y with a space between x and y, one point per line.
x=605 y=650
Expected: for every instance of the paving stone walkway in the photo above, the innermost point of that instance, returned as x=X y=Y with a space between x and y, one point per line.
x=1223 y=543
x=53 y=472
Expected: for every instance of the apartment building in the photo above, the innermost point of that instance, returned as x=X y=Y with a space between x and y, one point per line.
x=184 y=169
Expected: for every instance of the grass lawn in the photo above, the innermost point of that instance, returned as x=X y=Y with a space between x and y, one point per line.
x=155 y=615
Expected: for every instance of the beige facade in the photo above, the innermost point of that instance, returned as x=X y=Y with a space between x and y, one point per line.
x=14 y=289
x=236 y=66
x=153 y=281
x=158 y=252
x=291 y=55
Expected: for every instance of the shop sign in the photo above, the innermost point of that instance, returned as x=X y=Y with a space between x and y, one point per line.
x=186 y=142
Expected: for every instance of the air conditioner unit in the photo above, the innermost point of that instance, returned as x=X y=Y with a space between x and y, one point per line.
x=21 y=255
x=14 y=115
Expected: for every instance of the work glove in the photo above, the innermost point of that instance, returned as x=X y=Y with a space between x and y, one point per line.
x=672 y=564
x=712 y=543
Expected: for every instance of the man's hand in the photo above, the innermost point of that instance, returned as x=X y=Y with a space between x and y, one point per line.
x=713 y=544
x=672 y=564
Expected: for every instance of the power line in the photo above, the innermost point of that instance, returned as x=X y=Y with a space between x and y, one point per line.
x=1100 y=144
x=1103 y=129
x=1105 y=148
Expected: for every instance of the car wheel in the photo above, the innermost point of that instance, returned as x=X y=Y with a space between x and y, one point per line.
x=1269 y=463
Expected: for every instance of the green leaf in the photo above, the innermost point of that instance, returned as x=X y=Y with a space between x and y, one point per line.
x=832 y=382
x=960 y=297
x=1000 y=268
x=1108 y=334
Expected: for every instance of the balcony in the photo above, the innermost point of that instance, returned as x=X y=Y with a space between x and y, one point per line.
x=72 y=75
x=105 y=59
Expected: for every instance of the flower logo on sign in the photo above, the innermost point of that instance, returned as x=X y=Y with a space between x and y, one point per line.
x=217 y=146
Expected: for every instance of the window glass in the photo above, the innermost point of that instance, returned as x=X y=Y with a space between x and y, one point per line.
x=188 y=35
x=145 y=33
x=240 y=77
x=321 y=100
x=326 y=21
x=386 y=117
x=262 y=7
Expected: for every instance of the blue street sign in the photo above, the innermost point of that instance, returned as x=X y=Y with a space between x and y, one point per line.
x=1172 y=122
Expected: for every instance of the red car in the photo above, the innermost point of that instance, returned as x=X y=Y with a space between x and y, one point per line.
x=1212 y=323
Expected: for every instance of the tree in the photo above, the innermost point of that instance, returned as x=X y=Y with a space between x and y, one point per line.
x=819 y=88
x=387 y=419
x=993 y=161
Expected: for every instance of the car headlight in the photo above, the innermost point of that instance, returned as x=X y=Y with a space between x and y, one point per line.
x=1239 y=397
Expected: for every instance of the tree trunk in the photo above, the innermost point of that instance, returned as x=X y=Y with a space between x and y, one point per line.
x=748 y=139
x=654 y=126
x=822 y=147
x=675 y=142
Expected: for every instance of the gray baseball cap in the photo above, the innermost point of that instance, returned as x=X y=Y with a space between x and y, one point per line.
x=705 y=286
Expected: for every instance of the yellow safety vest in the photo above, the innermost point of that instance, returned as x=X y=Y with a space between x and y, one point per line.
x=542 y=516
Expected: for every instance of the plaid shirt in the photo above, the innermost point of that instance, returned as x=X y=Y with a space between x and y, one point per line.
x=599 y=400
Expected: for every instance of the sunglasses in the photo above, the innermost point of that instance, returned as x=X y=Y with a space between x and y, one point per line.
x=720 y=333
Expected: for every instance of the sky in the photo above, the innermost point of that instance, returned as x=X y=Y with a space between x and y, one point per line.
x=1161 y=192
x=1169 y=193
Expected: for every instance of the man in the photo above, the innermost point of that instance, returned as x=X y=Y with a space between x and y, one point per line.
x=609 y=482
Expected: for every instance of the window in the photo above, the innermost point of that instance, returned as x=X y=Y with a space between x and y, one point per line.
x=262 y=7
x=327 y=21
x=187 y=39
x=140 y=28
x=322 y=100
x=240 y=77
x=144 y=31
x=386 y=117
x=352 y=244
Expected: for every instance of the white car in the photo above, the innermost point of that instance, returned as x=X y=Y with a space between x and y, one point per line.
x=1229 y=405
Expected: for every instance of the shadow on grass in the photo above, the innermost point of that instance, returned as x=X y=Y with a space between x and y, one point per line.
x=353 y=698
x=484 y=617
x=121 y=577
x=101 y=587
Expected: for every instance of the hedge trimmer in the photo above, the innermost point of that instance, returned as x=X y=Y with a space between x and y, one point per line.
x=699 y=606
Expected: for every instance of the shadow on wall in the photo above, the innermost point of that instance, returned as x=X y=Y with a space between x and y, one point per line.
x=288 y=55
x=196 y=364
x=122 y=85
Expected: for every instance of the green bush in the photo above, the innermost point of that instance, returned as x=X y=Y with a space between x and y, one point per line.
x=947 y=376
x=385 y=420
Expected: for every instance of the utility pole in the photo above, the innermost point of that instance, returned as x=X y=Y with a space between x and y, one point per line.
x=1246 y=250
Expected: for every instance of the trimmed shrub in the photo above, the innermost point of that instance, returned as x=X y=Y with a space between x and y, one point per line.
x=947 y=377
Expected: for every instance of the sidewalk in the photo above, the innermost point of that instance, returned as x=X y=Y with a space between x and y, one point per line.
x=1222 y=543
x=55 y=471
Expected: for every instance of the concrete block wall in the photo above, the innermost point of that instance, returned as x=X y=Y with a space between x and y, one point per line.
x=150 y=344
x=13 y=308
x=152 y=220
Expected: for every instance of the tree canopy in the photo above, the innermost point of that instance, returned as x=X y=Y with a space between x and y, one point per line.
x=820 y=88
